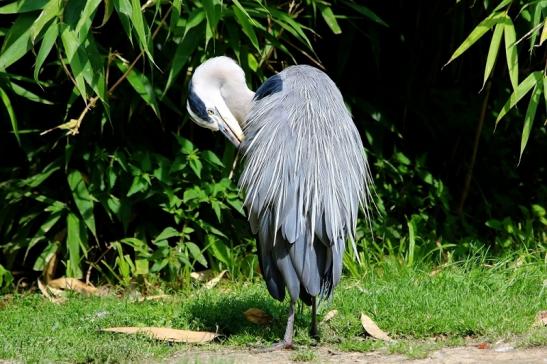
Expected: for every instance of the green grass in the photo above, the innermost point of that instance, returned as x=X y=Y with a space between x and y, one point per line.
x=421 y=311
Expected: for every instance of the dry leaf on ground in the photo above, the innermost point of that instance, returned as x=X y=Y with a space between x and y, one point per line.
x=202 y=276
x=52 y=294
x=372 y=329
x=213 y=282
x=157 y=297
x=72 y=284
x=167 y=334
x=257 y=316
x=329 y=315
x=541 y=319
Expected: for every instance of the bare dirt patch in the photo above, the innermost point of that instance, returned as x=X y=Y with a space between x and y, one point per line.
x=464 y=355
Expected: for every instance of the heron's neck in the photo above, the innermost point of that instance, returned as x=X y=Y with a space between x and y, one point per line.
x=238 y=98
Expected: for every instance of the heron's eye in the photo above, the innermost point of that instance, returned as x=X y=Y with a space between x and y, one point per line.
x=210 y=112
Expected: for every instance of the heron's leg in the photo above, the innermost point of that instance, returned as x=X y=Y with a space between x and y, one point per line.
x=289 y=331
x=313 y=331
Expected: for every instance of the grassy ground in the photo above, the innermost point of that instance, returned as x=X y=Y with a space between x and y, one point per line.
x=423 y=311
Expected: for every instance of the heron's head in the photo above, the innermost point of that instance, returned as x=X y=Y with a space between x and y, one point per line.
x=212 y=85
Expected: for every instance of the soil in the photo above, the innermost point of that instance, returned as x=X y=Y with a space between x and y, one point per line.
x=465 y=354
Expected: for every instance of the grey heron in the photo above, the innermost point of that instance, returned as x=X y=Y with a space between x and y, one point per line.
x=305 y=173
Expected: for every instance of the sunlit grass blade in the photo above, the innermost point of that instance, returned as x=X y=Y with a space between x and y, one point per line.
x=492 y=52
x=510 y=37
x=23 y=6
x=330 y=19
x=529 y=117
x=17 y=42
x=73 y=242
x=142 y=85
x=9 y=108
x=48 y=41
x=477 y=33
x=82 y=199
x=520 y=91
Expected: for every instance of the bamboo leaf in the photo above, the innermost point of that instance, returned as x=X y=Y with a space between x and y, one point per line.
x=247 y=27
x=182 y=54
x=290 y=25
x=529 y=117
x=511 y=52
x=75 y=57
x=330 y=19
x=545 y=91
x=50 y=36
x=518 y=94
x=51 y=10
x=28 y=95
x=86 y=17
x=73 y=241
x=175 y=14
x=124 y=10
x=23 y=6
x=363 y=10
x=492 y=52
x=140 y=27
x=108 y=9
x=17 y=42
x=503 y=4
x=477 y=33
x=142 y=85
x=83 y=199
x=212 y=13
x=11 y=114
x=543 y=33
x=538 y=10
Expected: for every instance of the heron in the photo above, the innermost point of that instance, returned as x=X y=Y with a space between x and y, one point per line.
x=305 y=173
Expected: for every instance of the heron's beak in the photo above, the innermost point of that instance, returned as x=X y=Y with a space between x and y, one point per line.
x=229 y=126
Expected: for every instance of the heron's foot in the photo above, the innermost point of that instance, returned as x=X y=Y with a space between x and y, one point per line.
x=282 y=345
x=314 y=334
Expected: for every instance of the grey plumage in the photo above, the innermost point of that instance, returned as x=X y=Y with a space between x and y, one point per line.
x=305 y=176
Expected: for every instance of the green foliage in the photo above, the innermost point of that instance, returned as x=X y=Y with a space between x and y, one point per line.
x=102 y=169
x=501 y=21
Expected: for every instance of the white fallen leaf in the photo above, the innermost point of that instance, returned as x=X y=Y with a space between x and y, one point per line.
x=329 y=315
x=213 y=282
x=372 y=329
x=257 y=316
x=167 y=334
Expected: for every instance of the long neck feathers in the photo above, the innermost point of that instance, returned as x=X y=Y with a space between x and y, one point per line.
x=224 y=76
